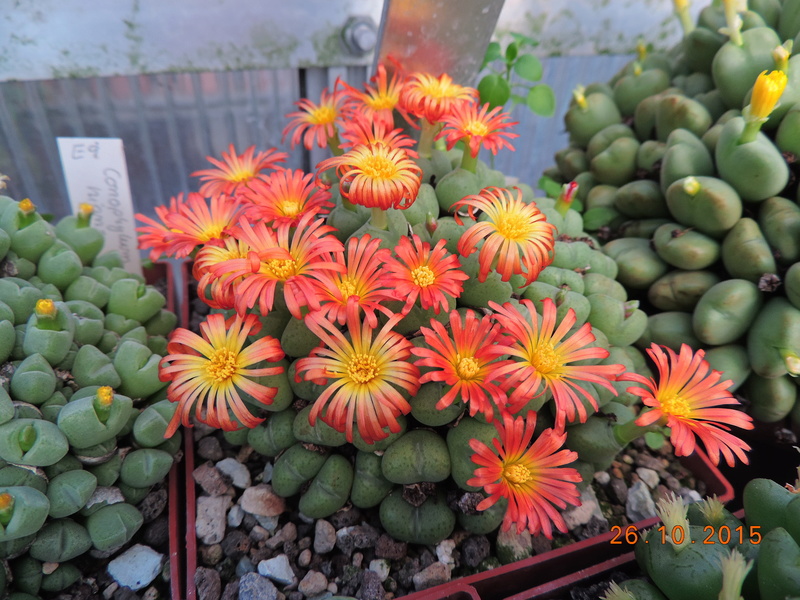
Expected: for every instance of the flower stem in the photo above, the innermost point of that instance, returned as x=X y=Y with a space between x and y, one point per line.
x=626 y=432
x=378 y=219
x=334 y=144
x=426 y=135
x=750 y=131
x=469 y=162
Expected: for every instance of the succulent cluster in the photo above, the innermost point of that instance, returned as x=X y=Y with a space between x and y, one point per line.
x=686 y=172
x=407 y=330
x=704 y=551
x=82 y=410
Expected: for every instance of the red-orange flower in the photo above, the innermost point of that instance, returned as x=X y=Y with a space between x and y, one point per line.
x=209 y=372
x=289 y=257
x=360 y=131
x=532 y=477
x=194 y=223
x=467 y=362
x=687 y=399
x=367 y=372
x=477 y=126
x=284 y=196
x=235 y=172
x=316 y=123
x=429 y=97
x=430 y=275
x=154 y=234
x=209 y=285
x=545 y=354
x=376 y=176
x=377 y=103
x=517 y=239
x=363 y=281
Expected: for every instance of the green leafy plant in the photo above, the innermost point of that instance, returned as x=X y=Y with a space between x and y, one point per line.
x=497 y=87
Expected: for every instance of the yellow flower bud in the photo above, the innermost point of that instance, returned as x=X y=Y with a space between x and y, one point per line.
x=680 y=5
x=26 y=206
x=85 y=209
x=766 y=93
x=6 y=508
x=45 y=308
x=105 y=395
x=691 y=186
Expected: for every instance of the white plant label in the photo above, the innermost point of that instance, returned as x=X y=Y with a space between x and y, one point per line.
x=96 y=173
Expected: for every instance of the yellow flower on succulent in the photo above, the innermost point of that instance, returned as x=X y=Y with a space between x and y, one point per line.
x=6 y=508
x=766 y=93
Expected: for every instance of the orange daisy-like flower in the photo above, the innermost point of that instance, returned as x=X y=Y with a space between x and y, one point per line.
x=235 y=172
x=316 y=123
x=430 y=275
x=467 y=362
x=377 y=103
x=363 y=281
x=687 y=399
x=516 y=236
x=289 y=257
x=532 y=477
x=358 y=131
x=429 y=97
x=376 y=176
x=545 y=354
x=209 y=285
x=477 y=126
x=192 y=224
x=367 y=372
x=155 y=235
x=208 y=372
x=284 y=196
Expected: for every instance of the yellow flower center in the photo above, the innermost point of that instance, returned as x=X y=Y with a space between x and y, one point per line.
x=322 y=115
x=676 y=406
x=348 y=288
x=241 y=175
x=222 y=365
x=423 y=276
x=378 y=167
x=282 y=269
x=513 y=227
x=85 y=209
x=477 y=128
x=6 y=501
x=363 y=368
x=545 y=359
x=291 y=207
x=467 y=367
x=381 y=102
x=517 y=474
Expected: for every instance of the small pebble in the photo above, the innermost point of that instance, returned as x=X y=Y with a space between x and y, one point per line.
x=312 y=584
x=210 y=519
x=136 y=567
x=649 y=476
x=324 y=537
x=435 y=574
x=261 y=500
x=208 y=583
x=209 y=449
x=253 y=586
x=444 y=552
x=304 y=558
x=235 y=516
x=277 y=569
x=382 y=567
x=602 y=477
x=238 y=473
